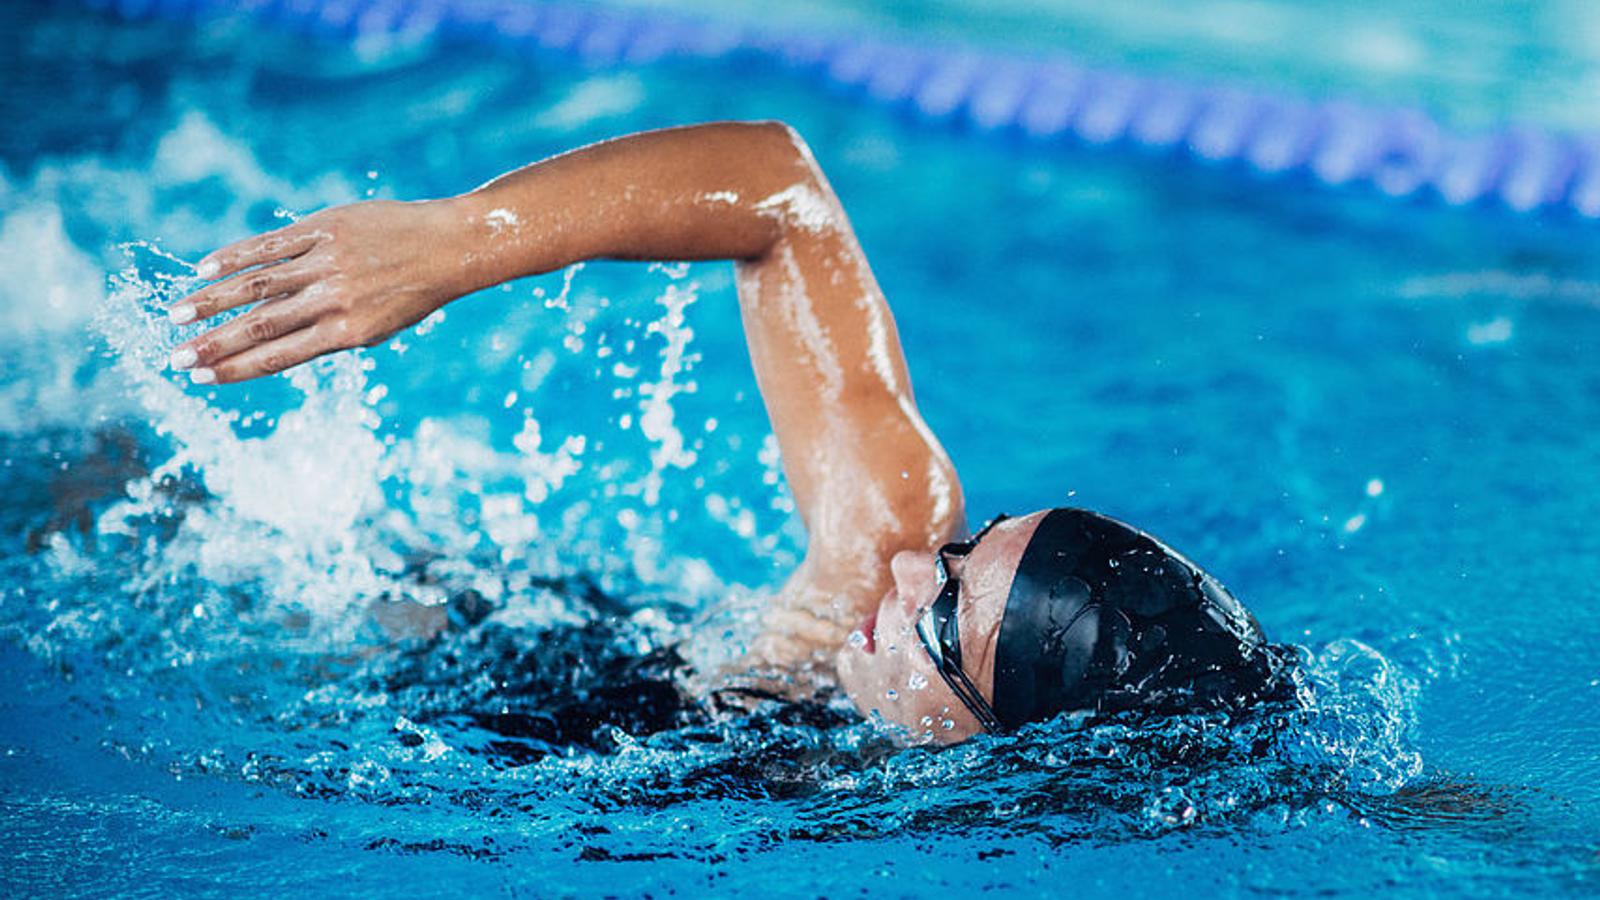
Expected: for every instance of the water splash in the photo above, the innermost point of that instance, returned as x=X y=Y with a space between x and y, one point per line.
x=656 y=416
x=48 y=288
x=291 y=504
x=316 y=512
x=240 y=576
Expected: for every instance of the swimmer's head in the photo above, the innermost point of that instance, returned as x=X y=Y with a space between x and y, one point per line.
x=1059 y=611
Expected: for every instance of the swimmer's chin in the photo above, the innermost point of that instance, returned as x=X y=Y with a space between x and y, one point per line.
x=852 y=669
x=859 y=686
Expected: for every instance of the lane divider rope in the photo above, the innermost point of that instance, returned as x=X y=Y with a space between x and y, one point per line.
x=1399 y=153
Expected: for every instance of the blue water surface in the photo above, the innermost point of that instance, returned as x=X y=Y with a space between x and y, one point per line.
x=1375 y=421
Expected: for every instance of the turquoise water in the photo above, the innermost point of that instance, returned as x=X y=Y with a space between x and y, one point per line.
x=1374 y=421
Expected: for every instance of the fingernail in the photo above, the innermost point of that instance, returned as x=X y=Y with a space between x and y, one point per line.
x=207 y=269
x=182 y=314
x=183 y=358
x=203 y=376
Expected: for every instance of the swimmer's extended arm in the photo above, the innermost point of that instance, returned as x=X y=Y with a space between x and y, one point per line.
x=868 y=477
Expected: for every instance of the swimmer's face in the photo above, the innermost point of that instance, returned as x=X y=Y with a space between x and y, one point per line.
x=889 y=673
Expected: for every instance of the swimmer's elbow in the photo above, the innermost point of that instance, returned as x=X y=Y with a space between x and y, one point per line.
x=790 y=190
x=788 y=149
x=781 y=134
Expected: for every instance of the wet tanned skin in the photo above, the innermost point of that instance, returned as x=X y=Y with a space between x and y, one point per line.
x=875 y=490
x=894 y=660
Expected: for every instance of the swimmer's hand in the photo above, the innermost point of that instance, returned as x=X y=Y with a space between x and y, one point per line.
x=342 y=278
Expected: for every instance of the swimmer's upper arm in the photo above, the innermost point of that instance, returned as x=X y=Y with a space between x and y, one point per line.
x=868 y=476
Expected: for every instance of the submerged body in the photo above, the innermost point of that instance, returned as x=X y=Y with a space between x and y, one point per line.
x=878 y=605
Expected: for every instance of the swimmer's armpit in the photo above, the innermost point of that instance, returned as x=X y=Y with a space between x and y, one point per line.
x=354 y=275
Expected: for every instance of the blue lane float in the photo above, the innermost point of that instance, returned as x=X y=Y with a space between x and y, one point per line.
x=1399 y=153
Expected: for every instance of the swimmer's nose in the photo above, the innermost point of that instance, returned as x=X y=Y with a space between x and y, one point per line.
x=913 y=578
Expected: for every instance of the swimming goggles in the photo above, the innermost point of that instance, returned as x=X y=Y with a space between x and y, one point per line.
x=940 y=633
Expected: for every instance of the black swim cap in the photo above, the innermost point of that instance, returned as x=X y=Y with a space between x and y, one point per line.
x=1103 y=618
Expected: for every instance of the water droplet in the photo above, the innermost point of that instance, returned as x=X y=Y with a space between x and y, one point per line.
x=891 y=694
x=917 y=681
x=856 y=640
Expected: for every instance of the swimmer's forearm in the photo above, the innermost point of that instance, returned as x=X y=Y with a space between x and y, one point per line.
x=354 y=275
x=691 y=193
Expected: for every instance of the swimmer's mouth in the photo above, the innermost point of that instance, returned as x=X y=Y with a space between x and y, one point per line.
x=868 y=626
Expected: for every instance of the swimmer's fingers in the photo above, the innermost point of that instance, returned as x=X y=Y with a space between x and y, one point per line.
x=252 y=287
x=284 y=243
x=273 y=319
x=267 y=359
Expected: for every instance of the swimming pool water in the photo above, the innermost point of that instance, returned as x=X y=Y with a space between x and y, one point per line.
x=1375 y=422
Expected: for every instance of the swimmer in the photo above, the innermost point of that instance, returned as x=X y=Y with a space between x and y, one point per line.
x=1057 y=611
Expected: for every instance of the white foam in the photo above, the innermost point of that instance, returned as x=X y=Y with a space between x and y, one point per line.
x=48 y=291
x=46 y=284
x=290 y=503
